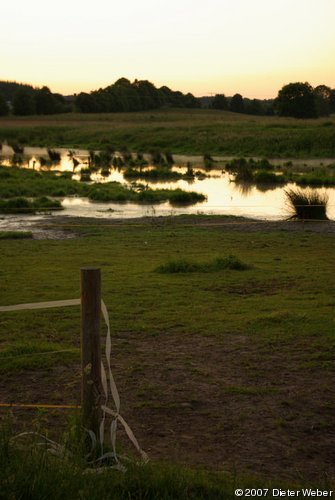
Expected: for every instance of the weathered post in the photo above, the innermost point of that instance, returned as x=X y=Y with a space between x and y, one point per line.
x=91 y=348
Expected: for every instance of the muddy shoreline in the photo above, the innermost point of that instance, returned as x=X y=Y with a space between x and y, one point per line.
x=66 y=227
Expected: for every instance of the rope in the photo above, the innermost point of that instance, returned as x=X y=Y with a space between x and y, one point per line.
x=117 y=417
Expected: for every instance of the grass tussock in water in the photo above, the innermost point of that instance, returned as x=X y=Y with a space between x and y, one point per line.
x=188 y=266
x=307 y=204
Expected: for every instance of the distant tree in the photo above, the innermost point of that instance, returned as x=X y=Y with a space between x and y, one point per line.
x=4 y=109
x=323 y=100
x=220 y=102
x=123 y=96
x=296 y=100
x=45 y=102
x=237 y=104
x=253 y=107
x=8 y=89
x=86 y=103
x=62 y=106
x=332 y=101
x=24 y=102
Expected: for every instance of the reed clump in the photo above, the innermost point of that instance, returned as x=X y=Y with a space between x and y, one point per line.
x=306 y=204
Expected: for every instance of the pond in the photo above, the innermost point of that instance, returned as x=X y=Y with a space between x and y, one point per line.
x=224 y=196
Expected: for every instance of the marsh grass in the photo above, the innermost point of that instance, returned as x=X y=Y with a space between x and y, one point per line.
x=187 y=266
x=307 y=204
x=23 y=205
x=16 y=184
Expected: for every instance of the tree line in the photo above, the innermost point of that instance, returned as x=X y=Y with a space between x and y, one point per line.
x=298 y=100
x=23 y=100
x=140 y=95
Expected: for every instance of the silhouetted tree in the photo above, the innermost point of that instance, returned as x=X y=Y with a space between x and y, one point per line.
x=4 y=109
x=220 y=102
x=322 y=100
x=85 y=103
x=45 y=102
x=236 y=104
x=296 y=100
x=24 y=103
x=332 y=101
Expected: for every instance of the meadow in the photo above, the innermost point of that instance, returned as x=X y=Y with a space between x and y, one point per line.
x=178 y=131
x=222 y=350
x=222 y=328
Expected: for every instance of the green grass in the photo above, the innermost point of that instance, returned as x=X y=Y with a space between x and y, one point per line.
x=31 y=472
x=178 y=131
x=129 y=256
x=175 y=334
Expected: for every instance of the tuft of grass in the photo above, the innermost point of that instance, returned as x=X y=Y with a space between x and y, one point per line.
x=187 y=266
x=307 y=204
x=15 y=235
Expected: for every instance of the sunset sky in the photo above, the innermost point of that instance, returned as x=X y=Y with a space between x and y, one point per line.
x=253 y=47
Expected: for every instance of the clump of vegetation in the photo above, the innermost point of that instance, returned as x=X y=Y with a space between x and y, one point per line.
x=178 y=197
x=85 y=174
x=54 y=155
x=265 y=177
x=169 y=158
x=157 y=158
x=208 y=161
x=15 y=235
x=241 y=168
x=153 y=174
x=23 y=205
x=16 y=146
x=188 y=266
x=17 y=183
x=307 y=204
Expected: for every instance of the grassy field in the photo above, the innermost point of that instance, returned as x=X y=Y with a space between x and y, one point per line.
x=178 y=131
x=226 y=367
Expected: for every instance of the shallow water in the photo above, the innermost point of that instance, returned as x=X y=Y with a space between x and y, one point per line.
x=223 y=195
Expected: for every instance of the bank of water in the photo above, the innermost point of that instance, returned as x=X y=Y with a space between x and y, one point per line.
x=224 y=196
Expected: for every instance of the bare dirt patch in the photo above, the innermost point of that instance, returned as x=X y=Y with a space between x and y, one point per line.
x=226 y=403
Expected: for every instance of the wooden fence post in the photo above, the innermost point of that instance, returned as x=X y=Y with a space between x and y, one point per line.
x=91 y=393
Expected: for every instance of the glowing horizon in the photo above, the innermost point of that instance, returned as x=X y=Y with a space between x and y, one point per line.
x=221 y=46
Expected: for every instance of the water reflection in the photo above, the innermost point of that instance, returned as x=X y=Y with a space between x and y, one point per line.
x=224 y=195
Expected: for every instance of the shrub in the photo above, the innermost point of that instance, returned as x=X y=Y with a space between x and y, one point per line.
x=307 y=204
